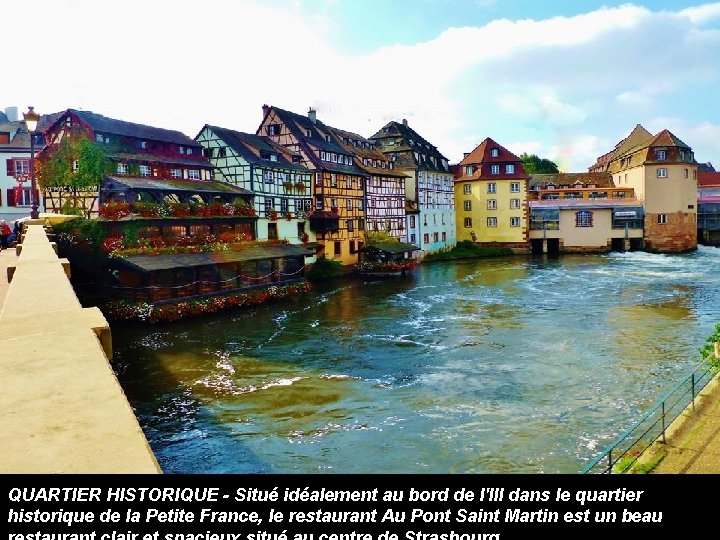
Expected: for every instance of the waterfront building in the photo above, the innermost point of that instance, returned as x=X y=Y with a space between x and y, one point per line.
x=71 y=173
x=384 y=186
x=491 y=195
x=582 y=213
x=429 y=191
x=709 y=206
x=280 y=183
x=15 y=190
x=338 y=212
x=663 y=172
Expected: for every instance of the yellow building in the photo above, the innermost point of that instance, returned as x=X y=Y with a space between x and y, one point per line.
x=663 y=172
x=491 y=196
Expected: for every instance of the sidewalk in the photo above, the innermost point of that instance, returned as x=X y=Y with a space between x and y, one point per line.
x=693 y=439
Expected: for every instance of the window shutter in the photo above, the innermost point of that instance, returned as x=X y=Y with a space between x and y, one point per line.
x=11 y=197
x=10 y=167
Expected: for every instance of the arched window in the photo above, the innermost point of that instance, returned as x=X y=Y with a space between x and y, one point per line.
x=584 y=218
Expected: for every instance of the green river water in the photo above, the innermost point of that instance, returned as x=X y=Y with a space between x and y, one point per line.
x=491 y=366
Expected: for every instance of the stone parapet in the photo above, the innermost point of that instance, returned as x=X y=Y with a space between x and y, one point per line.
x=63 y=410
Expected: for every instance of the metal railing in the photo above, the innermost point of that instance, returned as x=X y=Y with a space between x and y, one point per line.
x=624 y=451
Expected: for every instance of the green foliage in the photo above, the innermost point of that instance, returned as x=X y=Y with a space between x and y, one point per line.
x=91 y=231
x=55 y=164
x=324 y=269
x=378 y=237
x=70 y=209
x=468 y=250
x=708 y=351
x=537 y=165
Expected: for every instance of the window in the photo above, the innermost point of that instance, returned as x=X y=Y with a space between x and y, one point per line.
x=492 y=222
x=426 y=238
x=662 y=172
x=467 y=222
x=273 y=157
x=348 y=182
x=337 y=248
x=444 y=237
x=494 y=152
x=143 y=144
x=350 y=225
x=76 y=165
x=333 y=179
x=22 y=197
x=492 y=187
x=319 y=202
x=194 y=174
x=176 y=173
x=99 y=137
x=412 y=222
x=686 y=173
x=468 y=170
x=413 y=238
x=273 y=129
x=222 y=151
x=182 y=149
x=268 y=177
x=494 y=169
x=122 y=168
x=284 y=206
x=510 y=169
x=301 y=229
x=352 y=246
x=360 y=204
x=466 y=189
x=145 y=170
x=514 y=187
x=272 y=231
x=333 y=203
x=467 y=205
x=308 y=133
x=492 y=204
x=660 y=155
x=187 y=151
x=514 y=203
x=584 y=218
x=514 y=221
x=349 y=204
x=17 y=167
x=662 y=219
x=361 y=224
x=436 y=237
x=268 y=205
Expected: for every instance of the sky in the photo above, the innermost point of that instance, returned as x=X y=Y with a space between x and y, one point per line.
x=562 y=79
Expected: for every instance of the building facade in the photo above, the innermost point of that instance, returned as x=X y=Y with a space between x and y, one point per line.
x=582 y=213
x=15 y=196
x=709 y=206
x=663 y=172
x=491 y=196
x=279 y=182
x=384 y=186
x=338 y=194
x=429 y=190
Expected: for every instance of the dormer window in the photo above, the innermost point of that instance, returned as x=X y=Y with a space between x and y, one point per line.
x=188 y=151
x=143 y=144
x=660 y=154
x=327 y=138
x=182 y=150
x=122 y=168
x=296 y=159
x=273 y=129
x=495 y=169
x=308 y=133
x=468 y=170
x=99 y=137
x=273 y=157
x=510 y=169
x=494 y=152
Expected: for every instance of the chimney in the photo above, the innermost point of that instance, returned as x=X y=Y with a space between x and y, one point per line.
x=266 y=109
x=405 y=122
x=312 y=115
x=12 y=114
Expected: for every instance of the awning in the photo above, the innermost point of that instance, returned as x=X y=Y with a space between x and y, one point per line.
x=152 y=263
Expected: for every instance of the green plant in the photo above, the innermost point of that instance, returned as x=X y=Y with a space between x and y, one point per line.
x=708 y=351
x=324 y=268
x=76 y=162
x=69 y=209
x=468 y=250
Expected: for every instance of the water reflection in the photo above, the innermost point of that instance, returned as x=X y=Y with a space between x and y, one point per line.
x=503 y=365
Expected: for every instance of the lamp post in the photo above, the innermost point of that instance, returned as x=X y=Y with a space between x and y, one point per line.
x=31 y=122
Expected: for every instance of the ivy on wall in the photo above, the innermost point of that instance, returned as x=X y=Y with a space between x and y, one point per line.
x=54 y=167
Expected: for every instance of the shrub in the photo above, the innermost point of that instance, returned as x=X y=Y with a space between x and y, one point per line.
x=325 y=269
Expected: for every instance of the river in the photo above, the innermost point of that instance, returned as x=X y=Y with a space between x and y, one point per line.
x=508 y=365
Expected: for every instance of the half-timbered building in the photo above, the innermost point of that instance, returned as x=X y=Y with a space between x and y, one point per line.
x=429 y=188
x=272 y=172
x=384 y=187
x=130 y=150
x=338 y=214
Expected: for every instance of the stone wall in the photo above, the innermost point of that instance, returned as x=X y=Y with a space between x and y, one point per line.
x=677 y=235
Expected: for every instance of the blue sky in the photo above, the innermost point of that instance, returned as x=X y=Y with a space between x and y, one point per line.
x=563 y=79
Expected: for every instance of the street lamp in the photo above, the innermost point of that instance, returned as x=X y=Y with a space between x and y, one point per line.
x=31 y=122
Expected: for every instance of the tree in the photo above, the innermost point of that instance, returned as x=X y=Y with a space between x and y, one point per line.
x=537 y=165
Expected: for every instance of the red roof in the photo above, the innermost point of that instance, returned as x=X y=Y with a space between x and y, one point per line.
x=706 y=178
x=481 y=159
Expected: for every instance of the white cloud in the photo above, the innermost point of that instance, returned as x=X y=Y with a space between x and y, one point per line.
x=558 y=81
